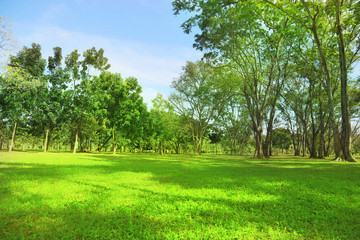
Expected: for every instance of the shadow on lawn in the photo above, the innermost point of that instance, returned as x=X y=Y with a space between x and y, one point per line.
x=314 y=200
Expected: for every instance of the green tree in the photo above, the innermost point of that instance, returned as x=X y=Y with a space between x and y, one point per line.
x=319 y=17
x=282 y=139
x=79 y=71
x=248 y=36
x=201 y=93
x=17 y=103
x=119 y=104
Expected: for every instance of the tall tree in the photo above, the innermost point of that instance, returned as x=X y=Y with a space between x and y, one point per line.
x=248 y=36
x=17 y=102
x=201 y=93
x=319 y=17
x=79 y=71
x=118 y=103
x=50 y=97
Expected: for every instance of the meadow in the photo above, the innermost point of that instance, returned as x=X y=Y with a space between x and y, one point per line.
x=103 y=196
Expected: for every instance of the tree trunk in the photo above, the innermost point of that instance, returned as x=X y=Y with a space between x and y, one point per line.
x=338 y=146
x=259 y=144
x=321 y=145
x=269 y=132
x=322 y=132
x=46 y=139
x=200 y=145
x=304 y=135
x=327 y=147
x=76 y=140
x=12 y=143
x=161 y=147
x=271 y=142
x=114 y=140
x=296 y=142
x=345 y=110
x=3 y=137
x=312 y=147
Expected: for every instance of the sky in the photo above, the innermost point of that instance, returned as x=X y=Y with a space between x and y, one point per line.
x=141 y=38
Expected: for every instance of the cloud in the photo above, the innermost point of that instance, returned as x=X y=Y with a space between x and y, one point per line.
x=54 y=11
x=149 y=94
x=154 y=66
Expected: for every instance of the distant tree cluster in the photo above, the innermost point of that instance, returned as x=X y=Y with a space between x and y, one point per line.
x=74 y=103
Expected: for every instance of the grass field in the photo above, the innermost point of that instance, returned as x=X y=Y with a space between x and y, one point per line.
x=93 y=196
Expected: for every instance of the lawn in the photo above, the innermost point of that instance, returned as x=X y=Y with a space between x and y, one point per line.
x=98 y=196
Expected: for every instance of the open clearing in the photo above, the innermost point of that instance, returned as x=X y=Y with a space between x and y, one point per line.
x=89 y=196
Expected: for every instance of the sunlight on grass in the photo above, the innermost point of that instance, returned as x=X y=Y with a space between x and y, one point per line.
x=140 y=197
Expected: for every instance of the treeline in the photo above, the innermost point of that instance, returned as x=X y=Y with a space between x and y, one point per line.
x=75 y=103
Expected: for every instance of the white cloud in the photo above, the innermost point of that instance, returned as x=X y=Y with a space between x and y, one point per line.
x=149 y=94
x=54 y=11
x=154 y=66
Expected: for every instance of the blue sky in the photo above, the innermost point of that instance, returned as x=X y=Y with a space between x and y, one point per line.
x=141 y=38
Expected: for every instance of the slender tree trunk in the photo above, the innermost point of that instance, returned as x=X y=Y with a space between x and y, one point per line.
x=259 y=144
x=297 y=140
x=232 y=147
x=195 y=145
x=321 y=144
x=3 y=136
x=114 y=140
x=327 y=147
x=324 y=63
x=140 y=146
x=271 y=142
x=161 y=147
x=12 y=143
x=46 y=139
x=200 y=145
x=76 y=140
x=345 y=110
x=304 y=135
x=322 y=132
x=269 y=132
x=312 y=147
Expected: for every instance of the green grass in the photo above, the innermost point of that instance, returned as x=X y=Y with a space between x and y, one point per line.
x=93 y=196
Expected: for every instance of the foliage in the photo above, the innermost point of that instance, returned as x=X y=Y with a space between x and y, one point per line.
x=201 y=93
x=281 y=139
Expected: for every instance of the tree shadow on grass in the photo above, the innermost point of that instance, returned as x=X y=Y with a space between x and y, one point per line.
x=188 y=196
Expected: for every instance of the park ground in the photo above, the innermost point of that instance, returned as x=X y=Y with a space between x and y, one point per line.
x=103 y=196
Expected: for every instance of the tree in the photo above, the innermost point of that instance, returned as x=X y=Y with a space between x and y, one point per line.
x=118 y=103
x=201 y=93
x=281 y=139
x=12 y=76
x=50 y=98
x=235 y=123
x=17 y=103
x=249 y=37
x=319 y=17
x=80 y=73
x=161 y=129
